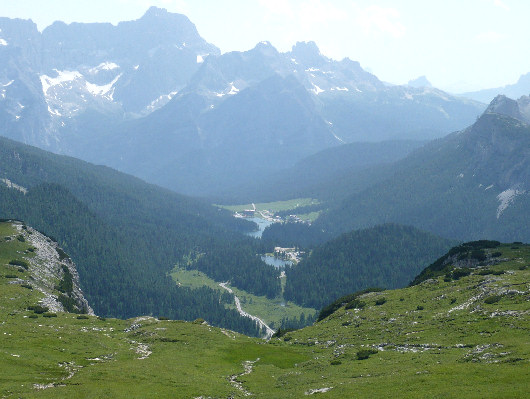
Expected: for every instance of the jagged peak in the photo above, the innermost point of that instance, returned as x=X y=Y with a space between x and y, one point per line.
x=266 y=48
x=505 y=106
x=419 y=82
x=308 y=54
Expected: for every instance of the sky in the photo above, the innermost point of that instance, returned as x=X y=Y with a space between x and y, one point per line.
x=459 y=45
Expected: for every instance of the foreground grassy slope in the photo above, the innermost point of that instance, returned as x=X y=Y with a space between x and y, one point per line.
x=465 y=338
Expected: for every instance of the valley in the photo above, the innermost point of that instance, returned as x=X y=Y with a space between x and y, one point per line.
x=181 y=220
x=471 y=331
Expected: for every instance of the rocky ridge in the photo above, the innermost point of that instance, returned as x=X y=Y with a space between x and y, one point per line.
x=48 y=267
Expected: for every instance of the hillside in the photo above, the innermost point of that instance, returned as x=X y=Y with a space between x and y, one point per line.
x=126 y=236
x=469 y=185
x=386 y=256
x=466 y=337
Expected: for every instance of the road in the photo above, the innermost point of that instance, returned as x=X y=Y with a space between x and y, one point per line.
x=269 y=331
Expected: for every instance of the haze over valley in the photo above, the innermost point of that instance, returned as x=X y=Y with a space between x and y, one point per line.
x=181 y=221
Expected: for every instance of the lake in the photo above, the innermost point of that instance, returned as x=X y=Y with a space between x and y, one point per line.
x=276 y=262
x=262 y=224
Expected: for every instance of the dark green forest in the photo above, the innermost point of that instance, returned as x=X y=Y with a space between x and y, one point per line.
x=125 y=236
x=386 y=256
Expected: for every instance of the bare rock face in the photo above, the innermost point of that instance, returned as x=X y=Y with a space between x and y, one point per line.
x=54 y=274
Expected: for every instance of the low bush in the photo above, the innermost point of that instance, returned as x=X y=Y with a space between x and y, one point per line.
x=82 y=317
x=380 y=301
x=459 y=273
x=335 y=362
x=33 y=316
x=492 y=299
x=49 y=314
x=419 y=307
x=365 y=353
x=355 y=304
x=18 y=262
x=38 y=309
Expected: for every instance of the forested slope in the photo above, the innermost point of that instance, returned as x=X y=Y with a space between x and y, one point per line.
x=126 y=235
x=386 y=256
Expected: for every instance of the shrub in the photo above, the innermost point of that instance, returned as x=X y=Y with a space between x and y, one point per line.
x=380 y=301
x=492 y=299
x=419 y=307
x=365 y=353
x=38 y=309
x=62 y=254
x=335 y=362
x=21 y=238
x=102 y=318
x=163 y=318
x=18 y=262
x=496 y=254
x=453 y=300
x=478 y=254
x=68 y=303
x=33 y=316
x=11 y=276
x=198 y=321
x=355 y=304
x=458 y=273
x=523 y=267
x=29 y=287
x=82 y=317
x=49 y=314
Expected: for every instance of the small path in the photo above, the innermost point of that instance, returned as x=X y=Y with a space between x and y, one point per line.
x=269 y=331
x=248 y=365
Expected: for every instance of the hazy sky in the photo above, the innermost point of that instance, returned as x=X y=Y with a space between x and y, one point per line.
x=457 y=44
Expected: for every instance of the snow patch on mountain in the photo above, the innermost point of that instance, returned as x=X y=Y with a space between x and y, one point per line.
x=506 y=198
x=62 y=76
x=200 y=59
x=104 y=90
x=159 y=102
x=53 y=111
x=3 y=42
x=104 y=66
x=233 y=89
x=340 y=89
x=317 y=90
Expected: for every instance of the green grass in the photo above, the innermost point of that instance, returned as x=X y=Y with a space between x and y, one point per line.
x=269 y=310
x=274 y=206
x=442 y=351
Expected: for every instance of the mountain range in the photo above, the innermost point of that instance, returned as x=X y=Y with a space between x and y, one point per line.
x=515 y=90
x=152 y=98
x=469 y=185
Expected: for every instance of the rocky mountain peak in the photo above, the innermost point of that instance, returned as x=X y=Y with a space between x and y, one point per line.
x=419 y=82
x=512 y=108
x=308 y=54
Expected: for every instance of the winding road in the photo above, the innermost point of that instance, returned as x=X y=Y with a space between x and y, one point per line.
x=269 y=331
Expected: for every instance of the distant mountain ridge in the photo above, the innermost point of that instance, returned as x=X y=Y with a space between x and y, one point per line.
x=91 y=91
x=516 y=90
x=470 y=185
